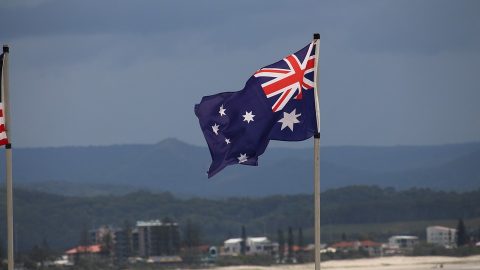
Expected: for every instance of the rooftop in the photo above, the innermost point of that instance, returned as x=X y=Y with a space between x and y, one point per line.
x=249 y=239
x=411 y=237
x=156 y=222
x=233 y=240
x=84 y=249
x=440 y=228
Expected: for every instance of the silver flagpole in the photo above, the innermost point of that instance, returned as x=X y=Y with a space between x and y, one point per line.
x=316 y=145
x=8 y=156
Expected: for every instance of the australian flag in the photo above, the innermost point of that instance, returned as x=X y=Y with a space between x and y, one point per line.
x=277 y=103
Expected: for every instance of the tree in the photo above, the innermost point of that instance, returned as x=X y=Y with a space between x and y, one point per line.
x=462 y=237
x=281 y=244
x=191 y=241
x=192 y=234
x=301 y=245
x=478 y=234
x=243 y=244
x=107 y=244
x=127 y=228
x=40 y=254
x=175 y=239
x=344 y=237
x=290 y=244
x=84 y=239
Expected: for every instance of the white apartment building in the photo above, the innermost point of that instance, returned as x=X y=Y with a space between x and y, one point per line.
x=442 y=236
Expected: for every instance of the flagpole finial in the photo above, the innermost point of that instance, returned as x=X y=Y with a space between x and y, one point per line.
x=6 y=49
x=316 y=36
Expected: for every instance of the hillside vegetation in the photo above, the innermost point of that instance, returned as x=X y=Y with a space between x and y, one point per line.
x=60 y=219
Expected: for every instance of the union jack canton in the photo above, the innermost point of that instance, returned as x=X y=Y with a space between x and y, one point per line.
x=277 y=103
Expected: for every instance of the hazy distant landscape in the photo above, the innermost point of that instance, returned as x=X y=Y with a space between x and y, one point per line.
x=386 y=190
x=359 y=212
x=119 y=169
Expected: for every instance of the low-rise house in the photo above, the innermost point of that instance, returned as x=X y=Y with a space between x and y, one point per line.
x=443 y=236
x=373 y=248
x=402 y=242
x=232 y=246
x=253 y=246
x=259 y=245
x=76 y=253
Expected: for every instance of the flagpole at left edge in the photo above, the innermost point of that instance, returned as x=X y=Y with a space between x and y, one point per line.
x=316 y=176
x=8 y=157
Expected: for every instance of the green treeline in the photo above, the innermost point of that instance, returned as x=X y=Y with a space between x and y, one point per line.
x=59 y=220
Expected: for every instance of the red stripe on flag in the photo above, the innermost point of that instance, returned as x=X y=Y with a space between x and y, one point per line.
x=310 y=64
x=4 y=141
x=281 y=71
x=2 y=128
x=280 y=100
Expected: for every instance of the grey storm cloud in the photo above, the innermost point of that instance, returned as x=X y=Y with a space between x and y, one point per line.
x=104 y=72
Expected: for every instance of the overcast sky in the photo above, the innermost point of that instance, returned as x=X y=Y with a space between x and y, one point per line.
x=107 y=72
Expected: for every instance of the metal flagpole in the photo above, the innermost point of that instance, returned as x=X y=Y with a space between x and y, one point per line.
x=316 y=145
x=8 y=156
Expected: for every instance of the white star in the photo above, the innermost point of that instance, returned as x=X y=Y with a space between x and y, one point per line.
x=227 y=140
x=248 y=116
x=242 y=158
x=215 y=128
x=222 y=111
x=289 y=119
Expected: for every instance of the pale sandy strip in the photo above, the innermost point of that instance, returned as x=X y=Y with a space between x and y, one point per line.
x=386 y=263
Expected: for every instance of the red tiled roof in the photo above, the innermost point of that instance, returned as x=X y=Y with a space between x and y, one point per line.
x=343 y=244
x=368 y=243
x=84 y=249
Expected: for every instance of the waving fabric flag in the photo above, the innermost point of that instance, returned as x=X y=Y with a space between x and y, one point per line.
x=3 y=133
x=277 y=103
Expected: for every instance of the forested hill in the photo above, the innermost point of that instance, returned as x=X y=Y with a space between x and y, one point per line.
x=177 y=167
x=60 y=219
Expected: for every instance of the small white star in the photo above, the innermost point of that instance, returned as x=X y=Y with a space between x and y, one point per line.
x=227 y=140
x=289 y=119
x=222 y=111
x=215 y=128
x=242 y=158
x=248 y=116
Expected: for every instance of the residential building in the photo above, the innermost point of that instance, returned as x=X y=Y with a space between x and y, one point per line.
x=372 y=248
x=402 y=242
x=253 y=246
x=232 y=246
x=123 y=245
x=442 y=236
x=92 y=251
x=156 y=238
x=260 y=245
x=97 y=236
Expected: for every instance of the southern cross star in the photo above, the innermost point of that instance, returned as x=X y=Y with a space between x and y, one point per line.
x=242 y=158
x=222 y=111
x=289 y=119
x=227 y=140
x=248 y=116
x=215 y=128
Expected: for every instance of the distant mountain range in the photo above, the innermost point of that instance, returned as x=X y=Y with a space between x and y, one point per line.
x=177 y=167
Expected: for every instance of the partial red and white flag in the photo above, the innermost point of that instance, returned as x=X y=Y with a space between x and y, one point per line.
x=3 y=132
